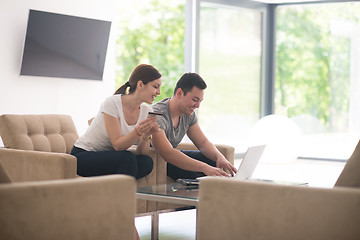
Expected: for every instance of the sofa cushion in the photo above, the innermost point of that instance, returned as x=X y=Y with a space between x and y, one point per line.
x=49 y=133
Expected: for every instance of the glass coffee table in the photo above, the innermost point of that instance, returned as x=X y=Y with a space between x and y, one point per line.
x=175 y=193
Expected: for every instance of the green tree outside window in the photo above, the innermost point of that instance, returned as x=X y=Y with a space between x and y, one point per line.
x=151 y=32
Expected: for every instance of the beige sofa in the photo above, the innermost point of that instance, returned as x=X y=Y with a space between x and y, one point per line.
x=88 y=208
x=49 y=138
x=230 y=209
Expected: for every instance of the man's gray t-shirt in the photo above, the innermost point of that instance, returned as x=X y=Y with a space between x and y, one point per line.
x=174 y=135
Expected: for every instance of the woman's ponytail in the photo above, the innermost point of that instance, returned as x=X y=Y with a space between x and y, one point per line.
x=122 y=89
x=143 y=72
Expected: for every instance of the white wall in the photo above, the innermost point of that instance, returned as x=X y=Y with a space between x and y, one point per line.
x=42 y=95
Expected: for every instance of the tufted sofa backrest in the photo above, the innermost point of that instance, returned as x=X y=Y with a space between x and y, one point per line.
x=46 y=132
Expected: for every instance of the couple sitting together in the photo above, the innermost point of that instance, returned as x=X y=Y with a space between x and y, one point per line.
x=123 y=120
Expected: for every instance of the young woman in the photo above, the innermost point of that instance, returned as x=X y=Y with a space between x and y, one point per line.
x=121 y=122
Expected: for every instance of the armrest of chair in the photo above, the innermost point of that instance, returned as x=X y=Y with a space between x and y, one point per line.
x=87 y=208
x=255 y=210
x=158 y=168
x=25 y=165
x=155 y=177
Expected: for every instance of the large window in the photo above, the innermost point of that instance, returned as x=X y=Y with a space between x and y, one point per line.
x=151 y=32
x=230 y=50
x=316 y=59
x=317 y=75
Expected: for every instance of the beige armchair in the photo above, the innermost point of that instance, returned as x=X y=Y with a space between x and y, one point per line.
x=43 y=139
x=230 y=209
x=254 y=210
x=87 y=208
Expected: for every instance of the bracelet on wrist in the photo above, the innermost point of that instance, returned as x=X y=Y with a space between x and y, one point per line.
x=137 y=133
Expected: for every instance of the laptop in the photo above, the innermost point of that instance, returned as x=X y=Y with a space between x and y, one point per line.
x=245 y=170
x=249 y=162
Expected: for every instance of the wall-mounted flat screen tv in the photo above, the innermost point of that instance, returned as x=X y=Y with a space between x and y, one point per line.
x=65 y=46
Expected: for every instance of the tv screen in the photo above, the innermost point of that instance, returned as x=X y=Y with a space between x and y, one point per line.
x=64 y=46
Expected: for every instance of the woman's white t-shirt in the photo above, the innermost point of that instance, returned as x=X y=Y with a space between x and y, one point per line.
x=96 y=137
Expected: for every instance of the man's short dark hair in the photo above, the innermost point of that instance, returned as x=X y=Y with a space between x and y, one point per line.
x=188 y=81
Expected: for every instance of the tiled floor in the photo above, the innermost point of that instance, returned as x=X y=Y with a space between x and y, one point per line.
x=181 y=225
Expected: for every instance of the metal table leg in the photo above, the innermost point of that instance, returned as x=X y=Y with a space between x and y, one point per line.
x=155 y=225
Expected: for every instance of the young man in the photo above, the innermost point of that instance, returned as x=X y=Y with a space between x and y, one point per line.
x=179 y=118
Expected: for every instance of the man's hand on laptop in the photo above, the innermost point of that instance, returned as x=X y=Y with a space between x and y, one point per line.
x=225 y=164
x=215 y=171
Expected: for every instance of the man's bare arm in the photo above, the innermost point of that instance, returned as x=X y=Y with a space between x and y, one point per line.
x=207 y=148
x=177 y=158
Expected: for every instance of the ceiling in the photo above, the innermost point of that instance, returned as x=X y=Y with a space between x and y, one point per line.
x=286 y=1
